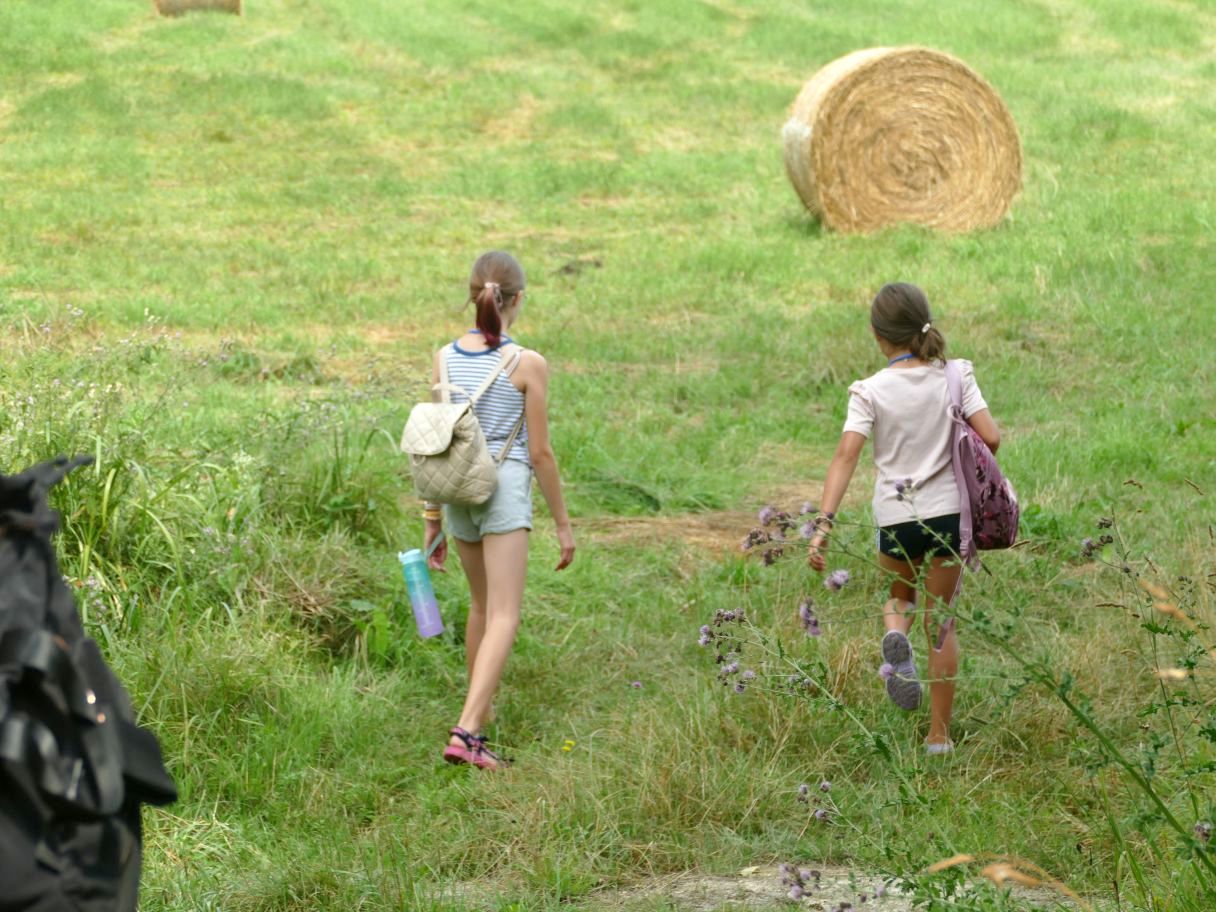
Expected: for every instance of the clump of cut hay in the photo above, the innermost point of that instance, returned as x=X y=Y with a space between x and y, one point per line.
x=181 y=7
x=890 y=135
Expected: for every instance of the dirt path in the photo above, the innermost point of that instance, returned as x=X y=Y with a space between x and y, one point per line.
x=759 y=888
x=753 y=888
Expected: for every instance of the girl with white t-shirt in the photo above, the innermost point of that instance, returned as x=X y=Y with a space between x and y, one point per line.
x=904 y=409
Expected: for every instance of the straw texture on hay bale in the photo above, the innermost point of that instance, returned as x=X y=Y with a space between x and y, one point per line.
x=889 y=135
x=180 y=7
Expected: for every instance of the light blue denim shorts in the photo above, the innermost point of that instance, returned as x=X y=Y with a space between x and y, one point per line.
x=509 y=507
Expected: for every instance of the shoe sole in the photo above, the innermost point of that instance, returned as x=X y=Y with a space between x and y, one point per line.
x=457 y=755
x=903 y=687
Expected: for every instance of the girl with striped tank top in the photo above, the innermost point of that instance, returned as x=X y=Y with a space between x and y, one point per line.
x=492 y=538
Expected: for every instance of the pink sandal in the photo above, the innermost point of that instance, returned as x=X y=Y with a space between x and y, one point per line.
x=474 y=751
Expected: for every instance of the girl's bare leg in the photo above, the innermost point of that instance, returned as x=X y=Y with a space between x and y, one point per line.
x=897 y=612
x=472 y=562
x=505 y=563
x=943 y=646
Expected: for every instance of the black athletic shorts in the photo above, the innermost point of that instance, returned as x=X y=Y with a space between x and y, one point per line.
x=913 y=540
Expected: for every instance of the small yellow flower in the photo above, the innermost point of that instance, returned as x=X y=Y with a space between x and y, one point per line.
x=567 y=746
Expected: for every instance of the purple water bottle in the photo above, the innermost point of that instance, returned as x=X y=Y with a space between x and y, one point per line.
x=422 y=596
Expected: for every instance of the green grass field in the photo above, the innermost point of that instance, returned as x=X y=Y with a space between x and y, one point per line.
x=228 y=247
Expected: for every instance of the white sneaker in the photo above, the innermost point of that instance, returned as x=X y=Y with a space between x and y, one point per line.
x=946 y=747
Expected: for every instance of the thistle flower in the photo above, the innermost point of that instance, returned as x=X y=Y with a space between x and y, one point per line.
x=730 y=668
x=1203 y=831
x=706 y=630
x=636 y=684
x=837 y=580
x=886 y=670
x=795 y=892
x=806 y=615
x=740 y=687
x=820 y=814
x=787 y=873
x=804 y=792
x=807 y=507
x=748 y=675
x=825 y=786
x=806 y=610
x=704 y=639
x=1088 y=546
x=767 y=515
x=807 y=530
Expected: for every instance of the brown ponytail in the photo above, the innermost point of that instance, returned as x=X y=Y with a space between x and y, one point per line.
x=900 y=314
x=495 y=281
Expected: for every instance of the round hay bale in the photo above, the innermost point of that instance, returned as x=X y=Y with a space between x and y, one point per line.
x=181 y=7
x=889 y=135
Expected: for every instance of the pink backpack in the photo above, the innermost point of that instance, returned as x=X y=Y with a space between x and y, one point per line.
x=988 y=506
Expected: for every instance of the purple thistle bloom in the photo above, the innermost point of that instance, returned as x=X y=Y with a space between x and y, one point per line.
x=795 y=892
x=740 y=687
x=806 y=874
x=636 y=684
x=812 y=628
x=767 y=515
x=825 y=786
x=899 y=487
x=706 y=630
x=786 y=871
x=806 y=610
x=837 y=580
x=886 y=670
x=807 y=507
x=1087 y=547
x=880 y=891
x=704 y=639
x=1203 y=831
x=804 y=792
x=749 y=675
x=807 y=530
x=730 y=668
x=821 y=814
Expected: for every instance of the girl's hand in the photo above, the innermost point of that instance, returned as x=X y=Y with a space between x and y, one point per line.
x=814 y=551
x=565 y=538
x=440 y=554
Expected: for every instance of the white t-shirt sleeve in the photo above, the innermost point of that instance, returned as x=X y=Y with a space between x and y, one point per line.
x=973 y=399
x=861 y=410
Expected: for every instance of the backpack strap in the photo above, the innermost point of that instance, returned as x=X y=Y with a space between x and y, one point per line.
x=508 y=369
x=954 y=382
x=507 y=365
x=445 y=382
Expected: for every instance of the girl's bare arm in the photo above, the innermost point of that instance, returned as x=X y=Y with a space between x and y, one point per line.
x=534 y=373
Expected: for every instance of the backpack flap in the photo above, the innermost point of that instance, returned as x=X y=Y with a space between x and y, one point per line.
x=429 y=429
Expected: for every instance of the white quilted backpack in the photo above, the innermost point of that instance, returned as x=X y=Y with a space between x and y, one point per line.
x=449 y=459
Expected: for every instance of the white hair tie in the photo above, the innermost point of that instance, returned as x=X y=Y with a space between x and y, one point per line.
x=924 y=329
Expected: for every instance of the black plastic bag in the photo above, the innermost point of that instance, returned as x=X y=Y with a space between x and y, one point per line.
x=74 y=766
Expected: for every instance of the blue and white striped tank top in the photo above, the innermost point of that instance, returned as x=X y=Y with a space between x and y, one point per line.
x=499 y=407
